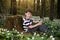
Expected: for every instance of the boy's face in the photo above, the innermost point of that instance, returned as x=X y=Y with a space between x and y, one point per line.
x=28 y=15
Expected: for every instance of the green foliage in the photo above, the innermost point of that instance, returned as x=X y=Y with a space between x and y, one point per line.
x=2 y=22
x=54 y=27
x=15 y=35
x=54 y=32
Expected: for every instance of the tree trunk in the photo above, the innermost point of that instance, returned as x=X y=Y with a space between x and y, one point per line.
x=51 y=9
x=43 y=10
x=0 y=6
x=38 y=7
x=13 y=10
x=58 y=10
x=34 y=5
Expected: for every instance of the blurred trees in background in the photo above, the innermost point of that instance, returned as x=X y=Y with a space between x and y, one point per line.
x=13 y=9
x=5 y=6
x=58 y=5
x=42 y=8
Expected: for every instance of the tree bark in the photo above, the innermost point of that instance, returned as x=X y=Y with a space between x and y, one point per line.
x=58 y=10
x=51 y=9
x=43 y=10
x=38 y=8
x=13 y=10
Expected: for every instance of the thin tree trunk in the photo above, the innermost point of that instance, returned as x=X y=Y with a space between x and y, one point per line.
x=13 y=7
x=58 y=10
x=34 y=5
x=43 y=10
x=38 y=8
x=0 y=6
x=51 y=9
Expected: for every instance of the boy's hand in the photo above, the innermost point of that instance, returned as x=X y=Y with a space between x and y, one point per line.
x=31 y=26
x=39 y=23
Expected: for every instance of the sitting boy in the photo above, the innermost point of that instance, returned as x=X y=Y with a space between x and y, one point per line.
x=27 y=23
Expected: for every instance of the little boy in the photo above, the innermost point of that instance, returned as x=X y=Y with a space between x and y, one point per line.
x=27 y=23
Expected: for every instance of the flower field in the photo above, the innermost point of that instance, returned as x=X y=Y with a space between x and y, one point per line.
x=54 y=33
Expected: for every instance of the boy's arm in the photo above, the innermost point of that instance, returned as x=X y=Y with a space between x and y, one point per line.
x=39 y=23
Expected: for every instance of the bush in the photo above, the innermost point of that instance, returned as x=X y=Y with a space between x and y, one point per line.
x=54 y=27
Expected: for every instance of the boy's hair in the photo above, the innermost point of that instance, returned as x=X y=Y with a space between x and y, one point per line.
x=28 y=10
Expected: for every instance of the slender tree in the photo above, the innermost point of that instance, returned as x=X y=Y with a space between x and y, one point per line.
x=43 y=8
x=13 y=10
x=0 y=6
x=58 y=10
x=38 y=8
x=34 y=5
x=51 y=9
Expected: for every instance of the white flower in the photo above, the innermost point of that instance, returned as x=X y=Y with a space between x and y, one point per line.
x=38 y=35
x=21 y=32
x=17 y=32
x=13 y=29
x=34 y=33
x=14 y=26
x=51 y=36
x=7 y=37
x=51 y=26
x=44 y=34
x=28 y=38
x=0 y=29
x=8 y=33
x=52 y=30
x=42 y=37
x=12 y=34
x=33 y=38
x=2 y=32
x=5 y=29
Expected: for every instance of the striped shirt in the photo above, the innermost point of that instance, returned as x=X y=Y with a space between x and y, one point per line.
x=26 y=23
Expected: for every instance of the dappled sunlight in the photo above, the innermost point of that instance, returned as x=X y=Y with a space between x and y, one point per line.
x=12 y=13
